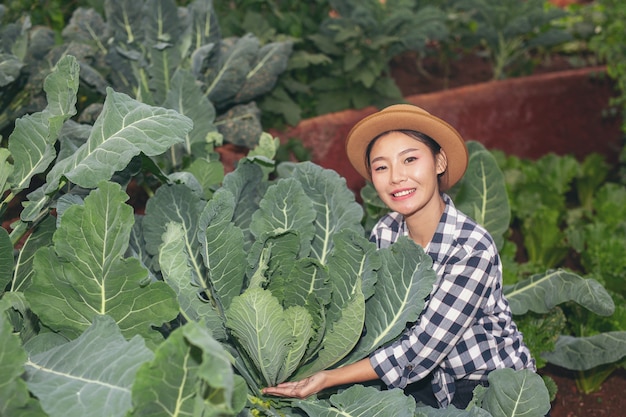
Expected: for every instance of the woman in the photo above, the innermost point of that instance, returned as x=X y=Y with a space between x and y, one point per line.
x=465 y=330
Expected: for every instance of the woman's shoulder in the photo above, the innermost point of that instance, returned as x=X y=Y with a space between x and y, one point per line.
x=470 y=233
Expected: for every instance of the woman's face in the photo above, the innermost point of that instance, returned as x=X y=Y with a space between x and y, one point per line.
x=404 y=172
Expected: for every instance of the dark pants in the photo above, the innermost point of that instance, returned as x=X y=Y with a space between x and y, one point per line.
x=422 y=391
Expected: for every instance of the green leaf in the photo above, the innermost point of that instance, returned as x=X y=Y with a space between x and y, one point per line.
x=209 y=173
x=262 y=328
x=270 y=61
x=404 y=281
x=222 y=248
x=32 y=141
x=247 y=184
x=85 y=274
x=231 y=69
x=124 y=129
x=10 y=67
x=191 y=372
x=516 y=394
x=583 y=353
x=340 y=337
x=264 y=153
x=162 y=29
x=14 y=396
x=173 y=203
x=301 y=325
x=6 y=259
x=89 y=376
x=205 y=29
x=177 y=273
x=86 y=26
x=482 y=193
x=241 y=125
x=335 y=209
x=360 y=401
x=5 y=171
x=124 y=20
x=40 y=237
x=185 y=96
x=352 y=261
x=284 y=207
x=541 y=292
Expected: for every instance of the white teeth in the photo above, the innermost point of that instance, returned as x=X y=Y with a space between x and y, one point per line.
x=403 y=193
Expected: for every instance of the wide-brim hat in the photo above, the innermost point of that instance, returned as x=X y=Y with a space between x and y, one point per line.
x=408 y=117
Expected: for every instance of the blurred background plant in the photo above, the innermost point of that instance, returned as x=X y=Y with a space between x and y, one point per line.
x=343 y=49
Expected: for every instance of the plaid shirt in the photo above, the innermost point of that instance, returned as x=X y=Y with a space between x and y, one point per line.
x=466 y=329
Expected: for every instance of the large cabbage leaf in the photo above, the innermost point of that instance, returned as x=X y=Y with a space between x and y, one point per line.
x=267 y=332
x=222 y=248
x=162 y=27
x=14 y=395
x=124 y=129
x=185 y=97
x=335 y=207
x=510 y=394
x=541 y=292
x=32 y=142
x=352 y=258
x=404 y=280
x=191 y=372
x=584 y=353
x=515 y=394
x=232 y=59
x=175 y=264
x=284 y=207
x=89 y=376
x=85 y=274
x=360 y=401
x=482 y=194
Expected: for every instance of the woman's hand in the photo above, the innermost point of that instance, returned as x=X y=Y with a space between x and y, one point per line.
x=299 y=389
x=360 y=371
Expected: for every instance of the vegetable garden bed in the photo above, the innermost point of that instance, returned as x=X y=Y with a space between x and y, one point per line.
x=564 y=112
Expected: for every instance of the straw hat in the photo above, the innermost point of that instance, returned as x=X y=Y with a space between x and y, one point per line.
x=408 y=117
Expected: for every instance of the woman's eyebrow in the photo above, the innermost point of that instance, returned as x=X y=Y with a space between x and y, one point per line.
x=403 y=152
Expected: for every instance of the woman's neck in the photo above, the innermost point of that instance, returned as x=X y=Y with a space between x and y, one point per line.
x=422 y=225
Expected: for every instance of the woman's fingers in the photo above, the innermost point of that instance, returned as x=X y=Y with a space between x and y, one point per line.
x=295 y=389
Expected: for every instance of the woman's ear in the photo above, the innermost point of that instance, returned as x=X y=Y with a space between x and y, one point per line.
x=441 y=161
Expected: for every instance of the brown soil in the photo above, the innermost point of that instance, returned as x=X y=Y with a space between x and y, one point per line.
x=431 y=76
x=609 y=401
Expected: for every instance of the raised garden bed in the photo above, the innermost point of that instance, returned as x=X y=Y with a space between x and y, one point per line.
x=564 y=112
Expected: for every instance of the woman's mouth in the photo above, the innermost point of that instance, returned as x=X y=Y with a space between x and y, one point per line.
x=403 y=193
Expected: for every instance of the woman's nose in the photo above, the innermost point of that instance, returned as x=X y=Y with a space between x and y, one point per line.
x=398 y=175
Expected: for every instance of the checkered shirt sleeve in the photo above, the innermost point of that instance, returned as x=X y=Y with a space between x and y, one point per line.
x=466 y=328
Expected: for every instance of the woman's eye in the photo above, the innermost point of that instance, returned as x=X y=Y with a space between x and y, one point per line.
x=410 y=159
x=380 y=168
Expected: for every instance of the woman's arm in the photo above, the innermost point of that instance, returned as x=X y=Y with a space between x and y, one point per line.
x=360 y=371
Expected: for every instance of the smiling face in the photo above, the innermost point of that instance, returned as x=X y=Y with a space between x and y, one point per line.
x=405 y=171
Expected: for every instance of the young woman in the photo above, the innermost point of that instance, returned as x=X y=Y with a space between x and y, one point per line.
x=465 y=330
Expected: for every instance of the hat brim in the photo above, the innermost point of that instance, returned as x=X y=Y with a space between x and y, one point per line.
x=408 y=117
